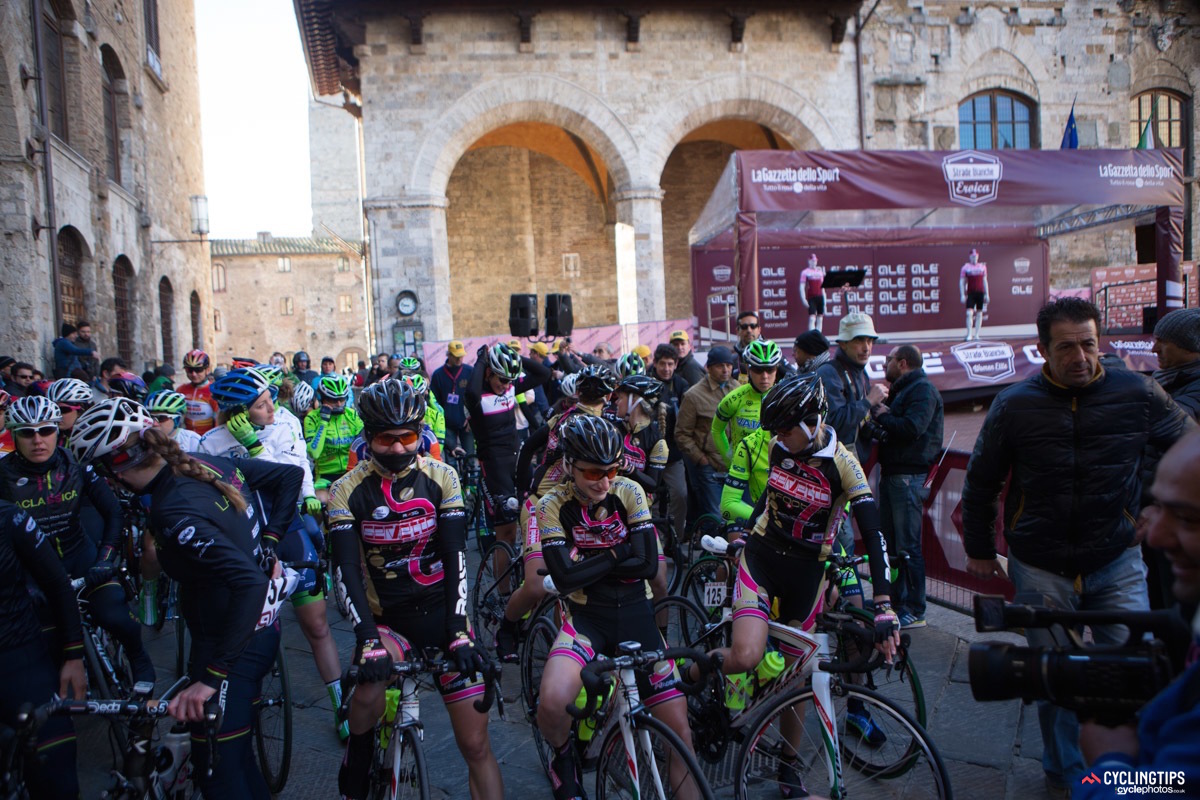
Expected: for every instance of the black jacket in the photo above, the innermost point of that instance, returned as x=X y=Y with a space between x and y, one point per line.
x=914 y=424
x=1075 y=456
x=690 y=369
x=1183 y=384
x=846 y=388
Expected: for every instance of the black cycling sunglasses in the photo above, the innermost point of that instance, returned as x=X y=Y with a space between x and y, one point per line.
x=46 y=431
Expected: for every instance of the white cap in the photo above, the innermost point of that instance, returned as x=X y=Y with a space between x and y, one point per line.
x=856 y=324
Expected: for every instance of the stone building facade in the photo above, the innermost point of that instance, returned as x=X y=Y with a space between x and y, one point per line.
x=120 y=137
x=570 y=149
x=287 y=294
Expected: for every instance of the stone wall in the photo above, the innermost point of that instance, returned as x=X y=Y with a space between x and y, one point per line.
x=334 y=166
x=160 y=162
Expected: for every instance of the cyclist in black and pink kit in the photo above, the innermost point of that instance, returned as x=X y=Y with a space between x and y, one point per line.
x=491 y=399
x=812 y=280
x=973 y=291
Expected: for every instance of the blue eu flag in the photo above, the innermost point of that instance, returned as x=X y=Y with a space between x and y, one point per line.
x=1070 y=140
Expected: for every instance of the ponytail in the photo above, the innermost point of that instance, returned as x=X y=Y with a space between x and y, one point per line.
x=182 y=464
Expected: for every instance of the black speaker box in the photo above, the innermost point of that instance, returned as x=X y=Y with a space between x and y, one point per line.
x=522 y=315
x=559 y=319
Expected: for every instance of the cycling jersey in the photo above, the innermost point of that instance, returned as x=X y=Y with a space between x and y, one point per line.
x=410 y=530
x=188 y=441
x=201 y=414
x=212 y=551
x=975 y=275
x=7 y=445
x=26 y=551
x=53 y=493
x=804 y=503
x=738 y=410
x=283 y=414
x=813 y=281
x=645 y=454
x=435 y=418
x=599 y=554
x=747 y=473
x=552 y=470
x=493 y=417
x=329 y=441
x=280 y=445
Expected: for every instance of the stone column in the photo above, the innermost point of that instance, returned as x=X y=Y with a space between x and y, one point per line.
x=641 y=209
x=409 y=251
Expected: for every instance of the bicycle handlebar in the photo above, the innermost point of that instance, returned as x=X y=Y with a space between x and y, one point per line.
x=594 y=675
x=439 y=666
x=868 y=659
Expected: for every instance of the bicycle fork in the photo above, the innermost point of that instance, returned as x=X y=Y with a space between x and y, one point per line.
x=822 y=682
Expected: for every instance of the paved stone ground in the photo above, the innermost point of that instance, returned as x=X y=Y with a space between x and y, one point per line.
x=992 y=750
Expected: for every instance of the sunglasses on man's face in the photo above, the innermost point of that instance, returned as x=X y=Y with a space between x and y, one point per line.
x=24 y=376
x=406 y=438
x=748 y=326
x=597 y=473
x=45 y=432
x=762 y=370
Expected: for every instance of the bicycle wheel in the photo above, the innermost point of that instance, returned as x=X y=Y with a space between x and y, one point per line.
x=535 y=649
x=273 y=725
x=900 y=684
x=491 y=590
x=101 y=683
x=402 y=773
x=705 y=585
x=667 y=761
x=683 y=624
x=705 y=524
x=902 y=762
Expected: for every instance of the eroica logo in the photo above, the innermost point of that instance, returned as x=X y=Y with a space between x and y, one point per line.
x=973 y=177
x=722 y=273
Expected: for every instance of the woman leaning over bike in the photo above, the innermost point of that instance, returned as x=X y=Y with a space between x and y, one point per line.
x=403 y=514
x=600 y=548
x=211 y=542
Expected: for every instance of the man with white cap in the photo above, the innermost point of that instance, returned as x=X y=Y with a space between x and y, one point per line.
x=849 y=390
x=812 y=281
x=973 y=291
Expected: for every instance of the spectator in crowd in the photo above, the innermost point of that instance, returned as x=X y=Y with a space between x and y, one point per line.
x=687 y=365
x=643 y=352
x=111 y=367
x=912 y=417
x=68 y=352
x=809 y=351
x=748 y=329
x=393 y=366
x=1168 y=727
x=164 y=378
x=693 y=431
x=6 y=365
x=1073 y=438
x=847 y=386
x=602 y=353
x=22 y=380
x=328 y=367
x=360 y=374
x=379 y=368
x=449 y=382
x=673 y=389
x=83 y=338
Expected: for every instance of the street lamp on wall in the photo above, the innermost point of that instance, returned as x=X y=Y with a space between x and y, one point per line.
x=199 y=214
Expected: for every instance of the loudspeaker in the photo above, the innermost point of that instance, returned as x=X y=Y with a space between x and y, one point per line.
x=1149 y=318
x=559 y=319
x=522 y=315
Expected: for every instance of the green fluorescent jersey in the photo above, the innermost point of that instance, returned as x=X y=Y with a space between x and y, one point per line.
x=748 y=470
x=435 y=418
x=329 y=441
x=737 y=411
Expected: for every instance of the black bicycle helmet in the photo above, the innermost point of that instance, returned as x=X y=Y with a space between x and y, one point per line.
x=595 y=381
x=127 y=385
x=299 y=356
x=649 y=389
x=388 y=404
x=590 y=438
x=790 y=401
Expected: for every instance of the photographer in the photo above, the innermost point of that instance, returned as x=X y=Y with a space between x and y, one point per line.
x=912 y=420
x=1167 y=733
x=1073 y=438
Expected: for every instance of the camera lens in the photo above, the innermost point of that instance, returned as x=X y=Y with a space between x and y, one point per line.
x=1004 y=671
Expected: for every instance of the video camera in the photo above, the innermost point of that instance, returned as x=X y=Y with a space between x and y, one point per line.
x=1106 y=684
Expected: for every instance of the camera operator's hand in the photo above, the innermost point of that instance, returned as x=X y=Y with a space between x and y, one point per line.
x=985 y=568
x=1096 y=739
x=879 y=410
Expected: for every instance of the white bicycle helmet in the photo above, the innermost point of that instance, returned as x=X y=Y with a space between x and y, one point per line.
x=302 y=398
x=107 y=427
x=32 y=412
x=568 y=384
x=504 y=361
x=70 y=391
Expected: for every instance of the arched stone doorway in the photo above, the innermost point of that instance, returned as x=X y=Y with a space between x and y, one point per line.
x=530 y=210
x=74 y=258
x=166 y=312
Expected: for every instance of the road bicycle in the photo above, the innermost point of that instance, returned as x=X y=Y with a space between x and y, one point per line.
x=110 y=675
x=636 y=755
x=705 y=608
x=398 y=768
x=148 y=772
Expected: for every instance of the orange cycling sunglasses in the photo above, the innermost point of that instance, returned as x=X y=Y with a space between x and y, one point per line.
x=406 y=438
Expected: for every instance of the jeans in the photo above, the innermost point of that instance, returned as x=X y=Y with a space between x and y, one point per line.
x=901 y=500
x=708 y=484
x=1120 y=586
x=459 y=437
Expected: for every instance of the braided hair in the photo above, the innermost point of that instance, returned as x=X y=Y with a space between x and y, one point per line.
x=183 y=464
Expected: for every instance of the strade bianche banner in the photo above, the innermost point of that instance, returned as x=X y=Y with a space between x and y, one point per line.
x=907 y=289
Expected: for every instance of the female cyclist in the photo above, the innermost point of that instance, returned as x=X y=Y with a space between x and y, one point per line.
x=246 y=426
x=403 y=515
x=811 y=478
x=168 y=408
x=213 y=543
x=600 y=548
x=72 y=396
x=43 y=478
x=32 y=672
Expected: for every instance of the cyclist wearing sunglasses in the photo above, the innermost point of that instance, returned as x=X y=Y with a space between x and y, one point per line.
x=72 y=396
x=46 y=481
x=600 y=548
x=168 y=408
x=737 y=413
x=331 y=431
x=211 y=541
x=201 y=416
x=491 y=399
x=398 y=532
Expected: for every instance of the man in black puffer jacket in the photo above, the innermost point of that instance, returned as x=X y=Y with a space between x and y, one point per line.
x=1073 y=437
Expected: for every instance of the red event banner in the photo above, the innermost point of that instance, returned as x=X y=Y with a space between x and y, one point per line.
x=909 y=290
